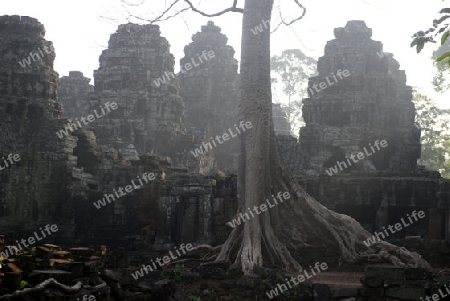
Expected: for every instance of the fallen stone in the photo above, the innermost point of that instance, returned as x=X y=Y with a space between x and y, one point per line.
x=39 y=276
x=417 y=274
x=372 y=282
x=344 y=292
x=385 y=272
x=321 y=292
x=162 y=289
x=406 y=292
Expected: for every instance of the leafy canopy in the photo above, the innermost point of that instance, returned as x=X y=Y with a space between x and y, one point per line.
x=440 y=28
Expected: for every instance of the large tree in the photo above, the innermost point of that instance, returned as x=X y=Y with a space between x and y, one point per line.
x=301 y=220
x=435 y=140
x=441 y=81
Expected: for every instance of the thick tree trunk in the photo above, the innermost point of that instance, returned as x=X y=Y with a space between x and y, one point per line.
x=300 y=220
x=256 y=237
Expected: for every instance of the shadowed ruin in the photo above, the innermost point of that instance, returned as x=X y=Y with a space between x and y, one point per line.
x=72 y=179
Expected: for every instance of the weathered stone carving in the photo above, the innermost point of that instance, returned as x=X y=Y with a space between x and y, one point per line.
x=150 y=111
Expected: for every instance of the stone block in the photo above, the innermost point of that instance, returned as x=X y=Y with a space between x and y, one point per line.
x=385 y=272
x=417 y=274
x=38 y=276
x=84 y=252
x=321 y=292
x=406 y=292
x=344 y=292
x=162 y=289
x=372 y=282
x=372 y=292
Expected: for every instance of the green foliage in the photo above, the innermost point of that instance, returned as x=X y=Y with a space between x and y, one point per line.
x=294 y=69
x=176 y=273
x=439 y=28
x=435 y=138
x=441 y=81
x=191 y=297
x=23 y=284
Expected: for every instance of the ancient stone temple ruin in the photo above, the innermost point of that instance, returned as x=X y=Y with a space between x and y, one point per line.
x=71 y=177
x=35 y=188
x=150 y=112
x=210 y=91
x=147 y=134
x=358 y=101
x=365 y=99
x=70 y=173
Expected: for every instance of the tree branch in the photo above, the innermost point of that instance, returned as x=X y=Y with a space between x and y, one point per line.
x=282 y=22
x=163 y=16
x=234 y=9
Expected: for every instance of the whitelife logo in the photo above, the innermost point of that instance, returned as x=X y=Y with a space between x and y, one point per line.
x=373 y=240
x=382 y=54
x=324 y=85
x=166 y=259
x=35 y=56
x=259 y=28
x=186 y=67
x=90 y=118
x=282 y=287
x=31 y=240
x=110 y=198
x=360 y=156
x=199 y=151
x=437 y=297
x=263 y=207
x=10 y=158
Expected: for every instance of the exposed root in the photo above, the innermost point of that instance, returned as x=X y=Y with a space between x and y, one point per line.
x=312 y=220
x=305 y=222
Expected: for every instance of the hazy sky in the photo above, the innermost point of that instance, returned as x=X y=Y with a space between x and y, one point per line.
x=80 y=29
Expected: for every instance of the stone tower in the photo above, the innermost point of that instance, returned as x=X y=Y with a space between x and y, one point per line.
x=210 y=91
x=359 y=96
x=136 y=72
x=35 y=190
x=74 y=95
x=29 y=58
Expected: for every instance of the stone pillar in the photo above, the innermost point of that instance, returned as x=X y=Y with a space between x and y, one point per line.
x=434 y=223
x=205 y=226
x=163 y=229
